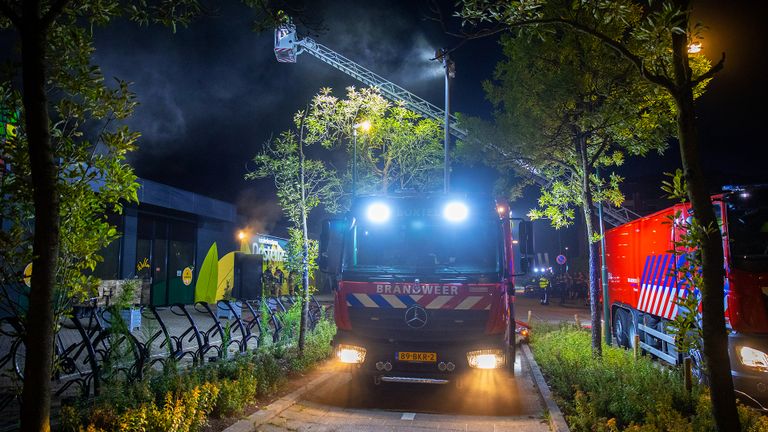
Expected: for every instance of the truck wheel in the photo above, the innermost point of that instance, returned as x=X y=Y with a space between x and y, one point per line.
x=697 y=367
x=621 y=327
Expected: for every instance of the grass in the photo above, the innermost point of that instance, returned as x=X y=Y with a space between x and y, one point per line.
x=619 y=393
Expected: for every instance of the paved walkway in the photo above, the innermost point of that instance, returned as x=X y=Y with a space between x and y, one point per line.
x=487 y=402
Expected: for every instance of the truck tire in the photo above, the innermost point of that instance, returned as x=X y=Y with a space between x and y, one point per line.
x=697 y=367
x=621 y=324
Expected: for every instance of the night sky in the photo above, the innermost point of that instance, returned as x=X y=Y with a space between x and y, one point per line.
x=212 y=93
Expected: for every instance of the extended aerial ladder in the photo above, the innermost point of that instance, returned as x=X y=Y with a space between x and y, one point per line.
x=288 y=46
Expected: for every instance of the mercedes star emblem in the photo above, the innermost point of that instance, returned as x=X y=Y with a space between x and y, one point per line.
x=416 y=317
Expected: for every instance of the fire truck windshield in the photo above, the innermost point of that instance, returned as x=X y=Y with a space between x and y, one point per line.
x=424 y=245
x=748 y=229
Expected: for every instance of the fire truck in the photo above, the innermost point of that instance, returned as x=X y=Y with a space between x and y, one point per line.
x=423 y=285
x=645 y=286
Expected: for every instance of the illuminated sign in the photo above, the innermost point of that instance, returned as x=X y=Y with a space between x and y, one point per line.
x=271 y=248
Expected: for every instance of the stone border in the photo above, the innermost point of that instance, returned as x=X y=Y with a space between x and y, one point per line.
x=557 y=422
x=262 y=416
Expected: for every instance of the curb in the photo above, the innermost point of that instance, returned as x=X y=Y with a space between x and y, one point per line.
x=557 y=422
x=262 y=416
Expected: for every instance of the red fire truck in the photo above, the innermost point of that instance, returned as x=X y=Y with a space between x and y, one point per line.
x=644 y=285
x=423 y=285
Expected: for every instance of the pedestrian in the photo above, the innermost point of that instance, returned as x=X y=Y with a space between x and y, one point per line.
x=572 y=294
x=544 y=287
x=561 y=288
x=268 y=281
x=279 y=281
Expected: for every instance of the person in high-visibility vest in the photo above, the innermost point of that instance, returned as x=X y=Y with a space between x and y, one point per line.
x=544 y=287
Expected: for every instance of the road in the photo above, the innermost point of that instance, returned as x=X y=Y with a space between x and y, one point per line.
x=553 y=312
x=487 y=402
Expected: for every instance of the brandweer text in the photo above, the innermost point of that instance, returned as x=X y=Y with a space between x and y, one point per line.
x=417 y=289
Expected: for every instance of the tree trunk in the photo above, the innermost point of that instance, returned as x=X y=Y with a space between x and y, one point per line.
x=304 y=247
x=594 y=288
x=715 y=339
x=39 y=325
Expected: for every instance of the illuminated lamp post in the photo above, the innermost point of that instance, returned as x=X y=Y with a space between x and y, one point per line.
x=694 y=48
x=450 y=72
x=365 y=126
x=604 y=270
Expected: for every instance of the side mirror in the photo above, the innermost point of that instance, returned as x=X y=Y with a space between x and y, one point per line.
x=331 y=246
x=526 y=238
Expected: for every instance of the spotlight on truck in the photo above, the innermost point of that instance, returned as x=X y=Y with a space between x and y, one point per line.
x=378 y=212
x=455 y=211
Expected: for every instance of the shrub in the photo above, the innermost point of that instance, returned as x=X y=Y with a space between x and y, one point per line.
x=176 y=400
x=185 y=412
x=619 y=393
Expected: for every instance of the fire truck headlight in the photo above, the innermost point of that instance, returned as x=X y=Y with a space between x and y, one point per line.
x=350 y=354
x=485 y=359
x=378 y=212
x=455 y=211
x=753 y=358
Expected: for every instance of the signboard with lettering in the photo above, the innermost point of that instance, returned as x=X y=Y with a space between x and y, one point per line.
x=271 y=248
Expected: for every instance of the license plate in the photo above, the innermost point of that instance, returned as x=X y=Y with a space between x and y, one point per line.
x=411 y=356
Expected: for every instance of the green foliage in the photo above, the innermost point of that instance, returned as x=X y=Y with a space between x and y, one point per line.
x=294 y=255
x=280 y=161
x=555 y=93
x=93 y=177
x=290 y=319
x=401 y=150
x=619 y=393
x=640 y=384
x=167 y=399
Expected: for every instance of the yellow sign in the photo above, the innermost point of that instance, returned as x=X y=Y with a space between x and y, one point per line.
x=142 y=264
x=186 y=276
x=28 y=275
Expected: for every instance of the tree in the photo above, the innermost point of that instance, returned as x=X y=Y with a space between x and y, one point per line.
x=566 y=107
x=401 y=151
x=302 y=185
x=54 y=42
x=656 y=45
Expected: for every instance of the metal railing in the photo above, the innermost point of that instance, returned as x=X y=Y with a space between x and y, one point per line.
x=91 y=346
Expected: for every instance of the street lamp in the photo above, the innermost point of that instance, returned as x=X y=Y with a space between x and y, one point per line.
x=365 y=126
x=604 y=268
x=450 y=72
x=694 y=48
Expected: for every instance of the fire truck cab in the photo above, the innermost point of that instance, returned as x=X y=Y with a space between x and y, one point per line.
x=423 y=285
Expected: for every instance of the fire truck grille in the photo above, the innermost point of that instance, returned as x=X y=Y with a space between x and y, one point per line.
x=440 y=325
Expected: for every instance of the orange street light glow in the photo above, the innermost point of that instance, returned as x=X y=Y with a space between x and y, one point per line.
x=694 y=48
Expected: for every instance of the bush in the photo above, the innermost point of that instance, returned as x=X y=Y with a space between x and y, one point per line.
x=181 y=401
x=618 y=392
x=185 y=412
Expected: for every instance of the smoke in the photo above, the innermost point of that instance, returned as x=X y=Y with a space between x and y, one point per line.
x=260 y=212
x=395 y=46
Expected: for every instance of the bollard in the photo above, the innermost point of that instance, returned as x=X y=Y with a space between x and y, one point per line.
x=687 y=374
x=529 y=316
x=576 y=318
x=637 y=346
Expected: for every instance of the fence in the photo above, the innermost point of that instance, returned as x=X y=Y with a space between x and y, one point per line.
x=98 y=343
